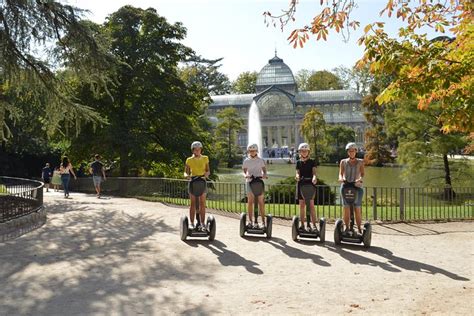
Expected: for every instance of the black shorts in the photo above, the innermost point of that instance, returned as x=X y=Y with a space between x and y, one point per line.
x=47 y=180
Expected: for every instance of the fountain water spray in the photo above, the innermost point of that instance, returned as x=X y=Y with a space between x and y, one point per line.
x=254 y=128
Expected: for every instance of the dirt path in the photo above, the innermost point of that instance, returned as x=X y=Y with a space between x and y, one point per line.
x=122 y=256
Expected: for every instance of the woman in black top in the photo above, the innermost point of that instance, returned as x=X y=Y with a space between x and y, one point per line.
x=305 y=171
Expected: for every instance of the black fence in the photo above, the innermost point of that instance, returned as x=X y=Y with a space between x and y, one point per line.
x=19 y=197
x=379 y=203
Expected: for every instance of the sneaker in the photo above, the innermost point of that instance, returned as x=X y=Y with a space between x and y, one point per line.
x=302 y=228
x=249 y=225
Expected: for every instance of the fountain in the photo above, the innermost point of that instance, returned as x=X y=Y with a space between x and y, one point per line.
x=254 y=128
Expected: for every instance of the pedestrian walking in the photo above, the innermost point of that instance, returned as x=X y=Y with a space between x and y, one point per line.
x=66 y=170
x=98 y=174
x=46 y=176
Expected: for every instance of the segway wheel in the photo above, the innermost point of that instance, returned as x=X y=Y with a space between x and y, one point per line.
x=183 y=227
x=322 y=229
x=211 y=226
x=269 y=225
x=338 y=231
x=243 y=224
x=367 y=235
x=295 y=222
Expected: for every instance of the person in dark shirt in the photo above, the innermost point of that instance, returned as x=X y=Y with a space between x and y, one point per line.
x=98 y=174
x=305 y=169
x=46 y=176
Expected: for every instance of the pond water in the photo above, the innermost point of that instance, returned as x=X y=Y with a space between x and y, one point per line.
x=374 y=176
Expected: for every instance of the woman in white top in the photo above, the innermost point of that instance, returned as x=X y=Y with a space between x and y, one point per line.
x=254 y=167
x=66 y=170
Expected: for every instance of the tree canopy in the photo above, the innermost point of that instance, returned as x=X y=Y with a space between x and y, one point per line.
x=205 y=73
x=230 y=123
x=37 y=37
x=245 y=83
x=433 y=70
x=153 y=115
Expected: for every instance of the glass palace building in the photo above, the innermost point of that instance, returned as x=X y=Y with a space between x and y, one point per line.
x=282 y=107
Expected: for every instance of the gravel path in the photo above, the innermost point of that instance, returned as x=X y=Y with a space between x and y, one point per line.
x=120 y=256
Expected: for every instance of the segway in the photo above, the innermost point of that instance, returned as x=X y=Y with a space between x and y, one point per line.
x=197 y=187
x=349 y=191
x=258 y=187
x=308 y=190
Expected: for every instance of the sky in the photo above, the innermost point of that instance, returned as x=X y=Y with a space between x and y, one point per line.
x=235 y=30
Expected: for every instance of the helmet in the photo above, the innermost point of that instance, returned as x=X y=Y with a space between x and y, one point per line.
x=252 y=147
x=351 y=145
x=303 y=146
x=196 y=144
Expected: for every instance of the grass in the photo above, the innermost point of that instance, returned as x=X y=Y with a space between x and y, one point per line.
x=331 y=212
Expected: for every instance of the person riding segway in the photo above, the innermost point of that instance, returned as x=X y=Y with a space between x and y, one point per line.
x=306 y=191
x=254 y=171
x=197 y=170
x=351 y=172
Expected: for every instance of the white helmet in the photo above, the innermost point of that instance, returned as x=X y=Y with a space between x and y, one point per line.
x=351 y=145
x=303 y=146
x=196 y=144
x=252 y=147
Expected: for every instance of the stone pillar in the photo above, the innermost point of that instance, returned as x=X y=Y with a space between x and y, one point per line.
x=279 y=140
x=269 y=136
x=288 y=136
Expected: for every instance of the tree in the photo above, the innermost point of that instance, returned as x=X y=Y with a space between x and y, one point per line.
x=423 y=145
x=357 y=79
x=338 y=136
x=245 y=83
x=28 y=30
x=153 y=115
x=229 y=124
x=376 y=140
x=434 y=71
x=313 y=128
x=205 y=73
x=302 y=77
x=323 y=80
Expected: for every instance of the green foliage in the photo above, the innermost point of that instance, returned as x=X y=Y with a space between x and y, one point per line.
x=285 y=192
x=357 y=79
x=423 y=145
x=152 y=114
x=323 y=80
x=27 y=64
x=245 y=83
x=230 y=123
x=376 y=139
x=338 y=136
x=205 y=74
x=313 y=129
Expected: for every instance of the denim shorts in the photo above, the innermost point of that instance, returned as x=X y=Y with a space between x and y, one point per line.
x=97 y=180
x=358 y=199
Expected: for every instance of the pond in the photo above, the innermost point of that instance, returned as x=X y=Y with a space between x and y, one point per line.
x=374 y=176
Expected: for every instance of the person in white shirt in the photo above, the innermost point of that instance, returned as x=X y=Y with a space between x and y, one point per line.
x=254 y=167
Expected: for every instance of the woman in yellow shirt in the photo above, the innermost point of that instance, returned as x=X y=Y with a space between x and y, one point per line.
x=197 y=166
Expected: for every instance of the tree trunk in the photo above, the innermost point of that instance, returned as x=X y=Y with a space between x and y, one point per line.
x=449 y=193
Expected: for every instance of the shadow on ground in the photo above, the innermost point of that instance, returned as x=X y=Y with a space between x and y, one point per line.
x=225 y=256
x=90 y=262
x=394 y=264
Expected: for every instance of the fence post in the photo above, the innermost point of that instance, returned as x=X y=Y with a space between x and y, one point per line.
x=402 y=204
x=374 y=203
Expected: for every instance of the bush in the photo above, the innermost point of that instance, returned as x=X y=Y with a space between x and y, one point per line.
x=285 y=193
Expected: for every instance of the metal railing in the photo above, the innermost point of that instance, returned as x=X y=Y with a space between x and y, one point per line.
x=19 y=197
x=379 y=203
